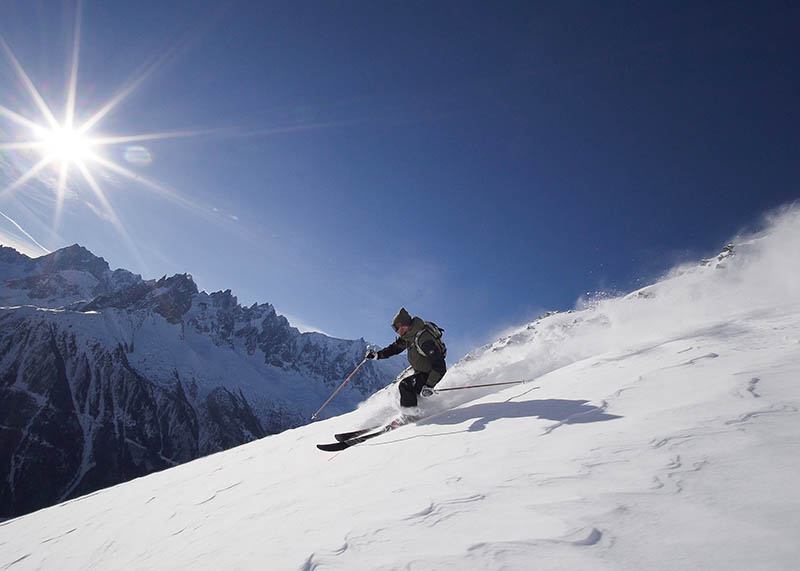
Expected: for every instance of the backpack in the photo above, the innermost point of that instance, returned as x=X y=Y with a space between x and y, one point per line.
x=436 y=333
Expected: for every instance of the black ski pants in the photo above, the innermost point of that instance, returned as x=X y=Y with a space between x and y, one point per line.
x=410 y=387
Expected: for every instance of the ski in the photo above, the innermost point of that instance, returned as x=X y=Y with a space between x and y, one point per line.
x=344 y=444
x=342 y=436
x=360 y=436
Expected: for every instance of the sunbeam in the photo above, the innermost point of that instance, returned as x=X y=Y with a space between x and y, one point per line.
x=17 y=118
x=34 y=93
x=160 y=189
x=73 y=74
x=115 y=220
x=60 y=189
x=30 y=173
x=154 y=136
x=133 y=85
x=27 y=145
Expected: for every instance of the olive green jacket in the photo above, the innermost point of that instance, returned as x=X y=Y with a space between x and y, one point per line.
x=433 y=360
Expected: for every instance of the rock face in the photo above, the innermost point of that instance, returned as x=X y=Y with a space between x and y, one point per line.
x=105 y=376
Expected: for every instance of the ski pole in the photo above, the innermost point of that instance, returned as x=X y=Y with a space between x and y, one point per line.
x=478 y=386
x=330 y=398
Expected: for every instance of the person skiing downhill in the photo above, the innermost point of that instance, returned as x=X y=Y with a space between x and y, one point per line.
x=426 y=354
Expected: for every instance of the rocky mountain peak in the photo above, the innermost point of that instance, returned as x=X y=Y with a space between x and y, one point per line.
x=9 y=255
x=223 y=300
x=73 y=257
x=173 y=296
x=181 y=283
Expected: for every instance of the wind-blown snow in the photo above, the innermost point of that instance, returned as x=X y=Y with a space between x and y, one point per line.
x=659 y=430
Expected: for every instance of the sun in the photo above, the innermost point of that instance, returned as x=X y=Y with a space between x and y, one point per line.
x=64 y=144
x=67 y=146
x=82 y=155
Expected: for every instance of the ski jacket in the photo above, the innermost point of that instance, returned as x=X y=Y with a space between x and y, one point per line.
x=431 y=362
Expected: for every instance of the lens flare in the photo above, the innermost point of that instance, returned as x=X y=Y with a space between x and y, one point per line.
x=137 y=155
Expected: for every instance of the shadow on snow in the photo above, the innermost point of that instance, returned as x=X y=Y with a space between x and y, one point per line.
x=559 y=410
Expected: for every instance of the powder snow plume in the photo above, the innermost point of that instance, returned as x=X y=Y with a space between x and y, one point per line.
x=760 y=271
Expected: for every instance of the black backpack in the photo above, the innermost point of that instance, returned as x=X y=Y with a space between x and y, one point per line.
x=436 y=333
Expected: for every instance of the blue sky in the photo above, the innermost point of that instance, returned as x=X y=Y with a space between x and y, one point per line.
x=477 y=163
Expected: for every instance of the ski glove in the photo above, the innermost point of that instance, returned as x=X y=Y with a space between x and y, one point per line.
x=371 y=354
x=426 y=391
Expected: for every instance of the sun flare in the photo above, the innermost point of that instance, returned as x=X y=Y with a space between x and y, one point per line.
x=64 y=144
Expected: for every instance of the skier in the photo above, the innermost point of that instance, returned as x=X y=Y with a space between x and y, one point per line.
x=426 y=353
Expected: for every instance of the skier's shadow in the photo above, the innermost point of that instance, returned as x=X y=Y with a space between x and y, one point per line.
x=560 y=410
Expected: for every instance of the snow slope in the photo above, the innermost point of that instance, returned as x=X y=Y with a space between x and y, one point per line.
x=659 y=430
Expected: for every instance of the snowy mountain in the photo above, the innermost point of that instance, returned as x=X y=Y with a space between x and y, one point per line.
x=105 y=376
x=658 y=430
